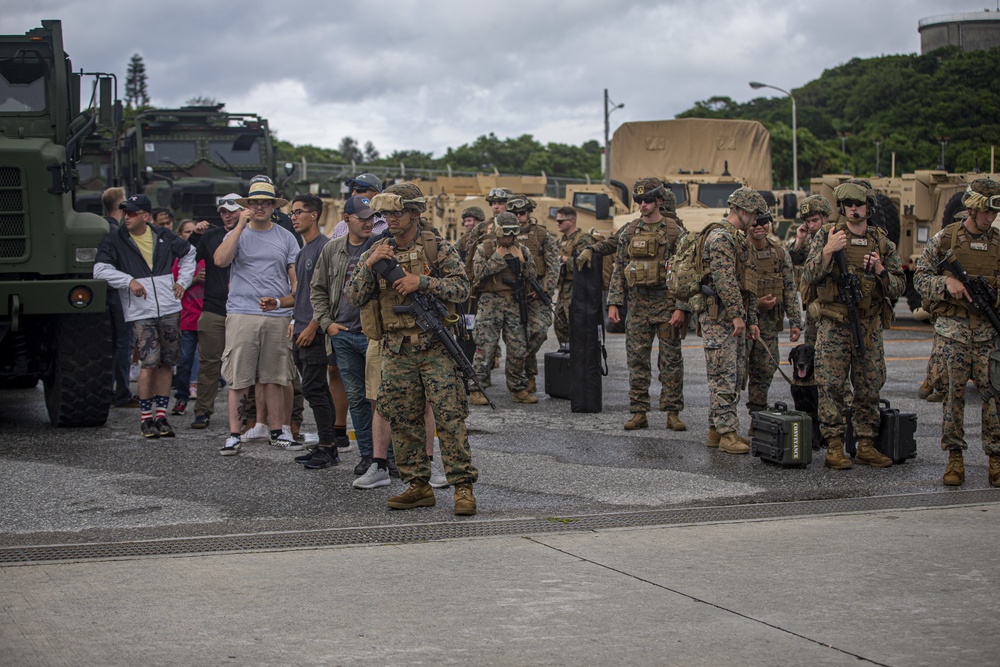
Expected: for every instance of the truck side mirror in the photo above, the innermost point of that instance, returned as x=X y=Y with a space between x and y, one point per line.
x=602 y=206
x=789 y=206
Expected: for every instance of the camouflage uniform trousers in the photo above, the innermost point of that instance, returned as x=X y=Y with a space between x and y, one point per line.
x=809 y=328
x=498 y=315
x=561 y=319
x=760 y=367
x=409 y=378
x=725 y=366
x=836 y=365
x=539 y=321
x=644 y=319
x=962 y=362
x=937 y=370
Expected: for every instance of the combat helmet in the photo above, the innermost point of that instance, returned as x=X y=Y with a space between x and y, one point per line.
x=813 y=205
x=983 y=194
x=520 y=203
x=748 y=200
x=399 y=197
x=858 y=189
x=474 y=212
x=498 y=195
x=506 y=225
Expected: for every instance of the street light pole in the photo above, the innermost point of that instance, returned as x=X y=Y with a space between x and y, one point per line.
x=944 y=142
x=757 y=85
x=609 y=106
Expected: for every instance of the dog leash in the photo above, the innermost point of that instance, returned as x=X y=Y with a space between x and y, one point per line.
x=776 y=362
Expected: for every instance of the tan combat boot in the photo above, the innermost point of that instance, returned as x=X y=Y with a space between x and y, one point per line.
x=477 y=398
x=835 y=456
x=532 y=387
x=994 y=470
x=954 y=474
x=925 y=390
x=732 y=444
x=713 y=438
x=419 y=494
x=524 y=396
x=465 y=501
x=868 y=455
x=637 y=421
x=936 y=397
x=674 y=422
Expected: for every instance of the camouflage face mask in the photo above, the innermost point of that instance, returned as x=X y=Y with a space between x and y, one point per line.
x=387 y=202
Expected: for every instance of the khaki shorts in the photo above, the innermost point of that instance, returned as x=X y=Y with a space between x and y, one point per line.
x=158 y=340
x=373 y=369
x=257 y=350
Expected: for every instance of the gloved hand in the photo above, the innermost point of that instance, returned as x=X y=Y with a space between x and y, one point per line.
x=584 y=258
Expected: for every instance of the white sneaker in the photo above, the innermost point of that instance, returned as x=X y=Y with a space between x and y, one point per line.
x=232 y=446
x=286 y=432
x=373 y=478
x=258 y=432
x=438 y=480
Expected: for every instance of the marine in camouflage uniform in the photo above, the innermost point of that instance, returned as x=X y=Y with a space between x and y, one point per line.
x=415 y=366
x=572 y=242
x=730 y=316
x=872 y=258
x=965 y=340
x=545 y=252
x=640 y=278
x=814 y=211
x=472 y=217
x=499 y=313
x=776 y=297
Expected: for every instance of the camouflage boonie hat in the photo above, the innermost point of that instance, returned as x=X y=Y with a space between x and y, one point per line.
x=519 y=203
x=474 y=212
x=747 y=199
x=983 y=194
x=506 y=225
x=499 y=194
x=813 y=205
x=399 y=197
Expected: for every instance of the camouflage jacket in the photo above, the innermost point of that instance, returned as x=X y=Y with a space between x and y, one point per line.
x=930 y=283
x=719 y=253
x=608 y=246
x=569 y=247
x=813 y=273
x=484 y=267
x=798 y=256
x=447 y=281
x=618 y=289
x=549 y=258
x=789 y=299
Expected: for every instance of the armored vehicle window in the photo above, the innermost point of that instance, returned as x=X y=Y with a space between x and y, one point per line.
x=171 y=152
x=22 y=86
x=680 y=192
x=585 y=201
x=714 y=195
x=86 y=171
x=235 y=152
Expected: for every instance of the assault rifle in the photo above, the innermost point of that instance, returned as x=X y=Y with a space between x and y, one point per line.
x=849 y=294
x=540 y=292
x=518 y=291
x=429 y=314
x=983 y=296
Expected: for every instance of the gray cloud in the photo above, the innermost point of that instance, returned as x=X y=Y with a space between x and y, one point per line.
x=430 y=74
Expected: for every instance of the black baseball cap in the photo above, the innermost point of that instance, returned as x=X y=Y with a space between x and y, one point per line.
x=136 y=203
x=359 y=206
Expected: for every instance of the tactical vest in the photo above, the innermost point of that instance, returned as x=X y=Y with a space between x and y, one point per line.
x=979 y=256
x=420 y=260
x=495 y=283
x=872 y=292
x=648 y=251
x=566 y=245
x=770 y=277
x=479 y=232
x=533 y=240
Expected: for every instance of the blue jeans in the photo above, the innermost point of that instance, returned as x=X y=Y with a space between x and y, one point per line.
x=182 y=378
x=351 y=349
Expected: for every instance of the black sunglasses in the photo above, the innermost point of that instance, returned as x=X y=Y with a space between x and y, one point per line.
x=853 y=202
x=645 y=199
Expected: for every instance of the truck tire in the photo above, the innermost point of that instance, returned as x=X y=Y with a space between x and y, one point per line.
x=19 y=382
x=952 y=208
x=886 y=216
x=78 y=386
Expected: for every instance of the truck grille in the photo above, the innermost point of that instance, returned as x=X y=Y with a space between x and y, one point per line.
x=13 y=235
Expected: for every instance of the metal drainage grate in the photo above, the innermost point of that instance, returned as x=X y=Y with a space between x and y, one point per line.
x=459 y=529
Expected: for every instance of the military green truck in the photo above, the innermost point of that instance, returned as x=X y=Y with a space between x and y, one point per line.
x=186 y=159
x=53 y=320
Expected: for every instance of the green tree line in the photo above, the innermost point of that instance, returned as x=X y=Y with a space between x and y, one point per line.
x=909 y=104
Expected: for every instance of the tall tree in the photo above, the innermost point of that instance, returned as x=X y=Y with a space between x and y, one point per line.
x=202 y=101
x=136 y=90
x=371 y=154
x=349 y=149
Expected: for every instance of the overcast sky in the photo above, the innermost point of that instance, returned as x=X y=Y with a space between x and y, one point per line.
x=426 y=75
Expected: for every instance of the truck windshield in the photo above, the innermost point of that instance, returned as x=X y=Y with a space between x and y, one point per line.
x=171 y=153
x=234 y=152
x=680 y=192
x=22 y=86
x=714 y=195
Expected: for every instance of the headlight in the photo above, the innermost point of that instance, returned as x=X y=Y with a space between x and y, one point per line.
x=86 y=255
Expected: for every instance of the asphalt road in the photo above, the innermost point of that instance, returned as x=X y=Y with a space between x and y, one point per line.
x=108 y=484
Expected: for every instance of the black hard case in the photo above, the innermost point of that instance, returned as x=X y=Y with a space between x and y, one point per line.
x=558 y=374
x=783 y=436
x=896 y=433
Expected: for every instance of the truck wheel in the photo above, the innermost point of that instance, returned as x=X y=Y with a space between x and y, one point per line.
x=19 y=382
x=886 y=216
x=952 y=208
x=78 y=387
